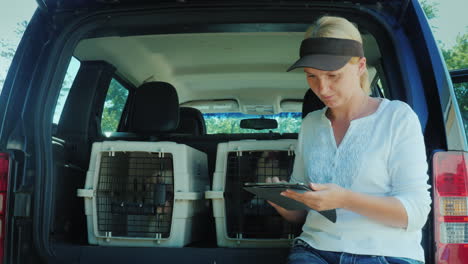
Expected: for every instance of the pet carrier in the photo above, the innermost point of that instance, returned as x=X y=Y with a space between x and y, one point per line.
x=242 y=219
x=144 y=193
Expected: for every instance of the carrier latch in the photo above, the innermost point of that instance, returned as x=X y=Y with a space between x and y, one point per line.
x=291 y=150
x=238 y=152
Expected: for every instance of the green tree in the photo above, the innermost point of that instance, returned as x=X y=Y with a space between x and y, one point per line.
x=7 y=52
x=225 y=124
x=8 y=47
x=455 y=58
x=430 y=10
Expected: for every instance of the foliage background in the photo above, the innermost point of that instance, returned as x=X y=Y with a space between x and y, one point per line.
x=455 y=58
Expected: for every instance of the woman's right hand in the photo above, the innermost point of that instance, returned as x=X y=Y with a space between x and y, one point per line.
x=274 y=179
x=289 y=215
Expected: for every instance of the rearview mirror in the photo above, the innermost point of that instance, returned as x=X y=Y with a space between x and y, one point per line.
x=259 y=123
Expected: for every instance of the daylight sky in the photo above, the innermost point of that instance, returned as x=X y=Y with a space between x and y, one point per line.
x=451 y=20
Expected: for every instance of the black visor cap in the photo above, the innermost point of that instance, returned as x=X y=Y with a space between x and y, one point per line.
x=327 y=54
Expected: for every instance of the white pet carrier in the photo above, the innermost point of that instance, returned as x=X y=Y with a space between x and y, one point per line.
x=243 y=220
x=144 y=193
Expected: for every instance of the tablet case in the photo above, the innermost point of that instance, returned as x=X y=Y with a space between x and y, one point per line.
x=273 y=194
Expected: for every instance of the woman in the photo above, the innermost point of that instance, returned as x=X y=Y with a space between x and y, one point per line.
x=363 y=156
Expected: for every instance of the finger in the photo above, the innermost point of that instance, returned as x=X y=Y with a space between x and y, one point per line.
x=276 y=179
x=317 y=186
x=275 y=205
x=272 y=203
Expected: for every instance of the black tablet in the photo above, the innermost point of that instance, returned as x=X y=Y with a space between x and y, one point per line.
x=271 y=192
x=292 y=186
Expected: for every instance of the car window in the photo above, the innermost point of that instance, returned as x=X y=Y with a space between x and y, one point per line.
x=379 y=86
x=461 y=92
x=229 y=123
x=113 y=107
x=72 y=70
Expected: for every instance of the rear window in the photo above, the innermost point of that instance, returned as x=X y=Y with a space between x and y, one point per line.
x=229 y=123
x=113 y=107
x=461 y=91
x=72 y=71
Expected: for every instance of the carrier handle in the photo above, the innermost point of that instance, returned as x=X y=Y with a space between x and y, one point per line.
x=214 y=195
x=188 y=196
x=86 y=193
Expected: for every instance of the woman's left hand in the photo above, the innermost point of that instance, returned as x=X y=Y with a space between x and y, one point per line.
x=324 y=196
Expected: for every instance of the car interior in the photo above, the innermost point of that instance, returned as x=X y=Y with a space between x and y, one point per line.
x=173 y=81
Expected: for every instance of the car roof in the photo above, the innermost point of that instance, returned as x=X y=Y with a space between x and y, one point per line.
x=248 y=68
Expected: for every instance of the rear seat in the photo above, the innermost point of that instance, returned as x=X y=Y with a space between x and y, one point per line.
x=155 y=109
x=311 y=103
x=155 y=115
x=153 y=112
x=191 y=122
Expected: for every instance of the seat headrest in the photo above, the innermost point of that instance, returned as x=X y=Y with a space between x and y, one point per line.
x=311 y=103
x=191 y=122
x=155 y=108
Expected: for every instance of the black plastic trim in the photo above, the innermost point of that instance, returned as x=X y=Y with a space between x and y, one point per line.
x=459 y=76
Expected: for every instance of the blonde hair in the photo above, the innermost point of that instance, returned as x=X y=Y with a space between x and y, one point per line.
x=338 y=27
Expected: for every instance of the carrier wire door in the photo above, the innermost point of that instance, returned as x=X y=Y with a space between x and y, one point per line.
x=248 y=216
x=135 y=194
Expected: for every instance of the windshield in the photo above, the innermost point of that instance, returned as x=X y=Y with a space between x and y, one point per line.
x=229 y=123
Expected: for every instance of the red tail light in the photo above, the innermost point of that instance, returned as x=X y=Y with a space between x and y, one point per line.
x=451 y=207
x=4 y=169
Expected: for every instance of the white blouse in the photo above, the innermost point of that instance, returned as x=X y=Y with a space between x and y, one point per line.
x=382 y=154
